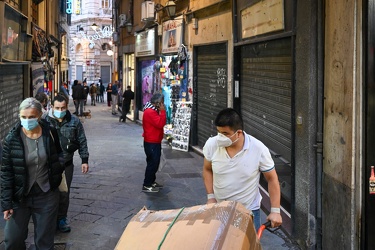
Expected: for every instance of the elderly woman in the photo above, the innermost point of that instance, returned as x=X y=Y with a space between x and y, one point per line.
x=30 y=176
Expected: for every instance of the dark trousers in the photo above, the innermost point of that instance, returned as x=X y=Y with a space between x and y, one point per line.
x=153 y=153
x=79 y=105
x=65 y=196
x=42 y=208
x=125 y=109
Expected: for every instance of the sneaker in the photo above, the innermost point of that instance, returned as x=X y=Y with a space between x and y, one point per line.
x=63 y=226
x=157 y=185
x=150 y=189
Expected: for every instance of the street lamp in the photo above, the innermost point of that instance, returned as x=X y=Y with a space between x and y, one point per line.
x=129 y=27
x=110 y=52
x=94 y=26
x=170 y=7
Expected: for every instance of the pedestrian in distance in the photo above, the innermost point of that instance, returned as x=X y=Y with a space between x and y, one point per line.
x=93 y=94
x=109 y=94
x=128 y=96
x=78 y=97
x=64 y=90
x=30 y=176
x=86 y=91
x=114 y=97
x=154 y=120
x=233 y=161
x=97 y=93
x=102 y=90
x=72 y=137
x=43 y=99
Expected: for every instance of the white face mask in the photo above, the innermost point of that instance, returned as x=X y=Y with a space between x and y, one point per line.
x=224 y=141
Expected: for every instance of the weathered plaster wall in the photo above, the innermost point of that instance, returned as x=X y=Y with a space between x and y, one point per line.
x=306 y=107
x=342 y=124
x=213 y=29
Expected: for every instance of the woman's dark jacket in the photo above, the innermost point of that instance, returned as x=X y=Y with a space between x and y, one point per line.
x=14 y=172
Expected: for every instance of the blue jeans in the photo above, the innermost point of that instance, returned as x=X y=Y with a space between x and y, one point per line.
x=42 y=208
x=153 y=153
x=256 y=219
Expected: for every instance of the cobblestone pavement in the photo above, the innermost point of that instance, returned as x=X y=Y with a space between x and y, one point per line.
x=104 y=200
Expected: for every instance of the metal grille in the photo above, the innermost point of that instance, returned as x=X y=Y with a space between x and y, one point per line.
x=11 y=95
x=266 y=94
x=212 y=88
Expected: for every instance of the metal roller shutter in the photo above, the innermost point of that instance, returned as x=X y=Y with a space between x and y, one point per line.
x=105 y=74
x=211 y=88
x=266 y=94
x=11 y=95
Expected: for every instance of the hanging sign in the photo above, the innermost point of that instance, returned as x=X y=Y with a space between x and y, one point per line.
x=69 y=6
x=172 y=36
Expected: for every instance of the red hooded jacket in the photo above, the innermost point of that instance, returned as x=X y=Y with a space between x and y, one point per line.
x=153 y=125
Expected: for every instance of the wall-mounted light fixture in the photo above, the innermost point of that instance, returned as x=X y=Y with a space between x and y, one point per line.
x=94 y=26
x=170 y=8
x=129 y=27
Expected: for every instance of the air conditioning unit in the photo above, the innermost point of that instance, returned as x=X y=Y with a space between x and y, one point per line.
x=148 y=11
x=122 y=20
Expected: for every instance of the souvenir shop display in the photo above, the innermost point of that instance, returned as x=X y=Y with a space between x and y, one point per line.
x=171 y=72
x=181 y=126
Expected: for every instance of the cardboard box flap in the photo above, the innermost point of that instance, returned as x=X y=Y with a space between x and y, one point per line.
x=225 y=225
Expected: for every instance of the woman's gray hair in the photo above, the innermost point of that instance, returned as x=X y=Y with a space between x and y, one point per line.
x=31 y=102
x=157 y=98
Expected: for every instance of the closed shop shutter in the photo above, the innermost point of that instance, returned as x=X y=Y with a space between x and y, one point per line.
x=105 y=74
x=211 y=87
x=11 y=95
x=266 y=94
x=79 y=73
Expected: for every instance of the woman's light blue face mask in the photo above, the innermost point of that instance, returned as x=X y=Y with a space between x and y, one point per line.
x=29 y=124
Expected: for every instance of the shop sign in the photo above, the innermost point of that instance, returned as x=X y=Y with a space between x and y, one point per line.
x=172 y=36
x=69 y=6
x=78 y=7
x=145 y=43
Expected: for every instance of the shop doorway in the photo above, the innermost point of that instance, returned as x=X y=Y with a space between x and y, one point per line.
x=105 y=75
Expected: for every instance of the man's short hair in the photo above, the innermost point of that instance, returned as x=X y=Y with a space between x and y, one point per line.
x=60 y=98
x=229 y=117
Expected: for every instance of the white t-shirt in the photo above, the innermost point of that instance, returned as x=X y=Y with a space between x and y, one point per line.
x=237 y=178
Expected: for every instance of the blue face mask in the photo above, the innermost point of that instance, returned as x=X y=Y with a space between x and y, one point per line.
x=29 y=124
x=59 y=114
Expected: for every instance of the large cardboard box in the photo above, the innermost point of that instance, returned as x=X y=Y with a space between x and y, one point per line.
x=225 y=225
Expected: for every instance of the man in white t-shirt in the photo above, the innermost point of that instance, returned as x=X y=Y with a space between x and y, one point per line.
x=233 y=161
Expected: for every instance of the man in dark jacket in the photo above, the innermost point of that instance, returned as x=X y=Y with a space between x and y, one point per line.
x=30 y=175
x=154 y=119
x=128 y=97
x=69 y=128
x=78 y=97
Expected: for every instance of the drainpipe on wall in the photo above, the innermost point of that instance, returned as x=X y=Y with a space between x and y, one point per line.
x=320 y=112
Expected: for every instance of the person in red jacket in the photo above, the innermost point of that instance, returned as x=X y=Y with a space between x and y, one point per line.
x=154 y=119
